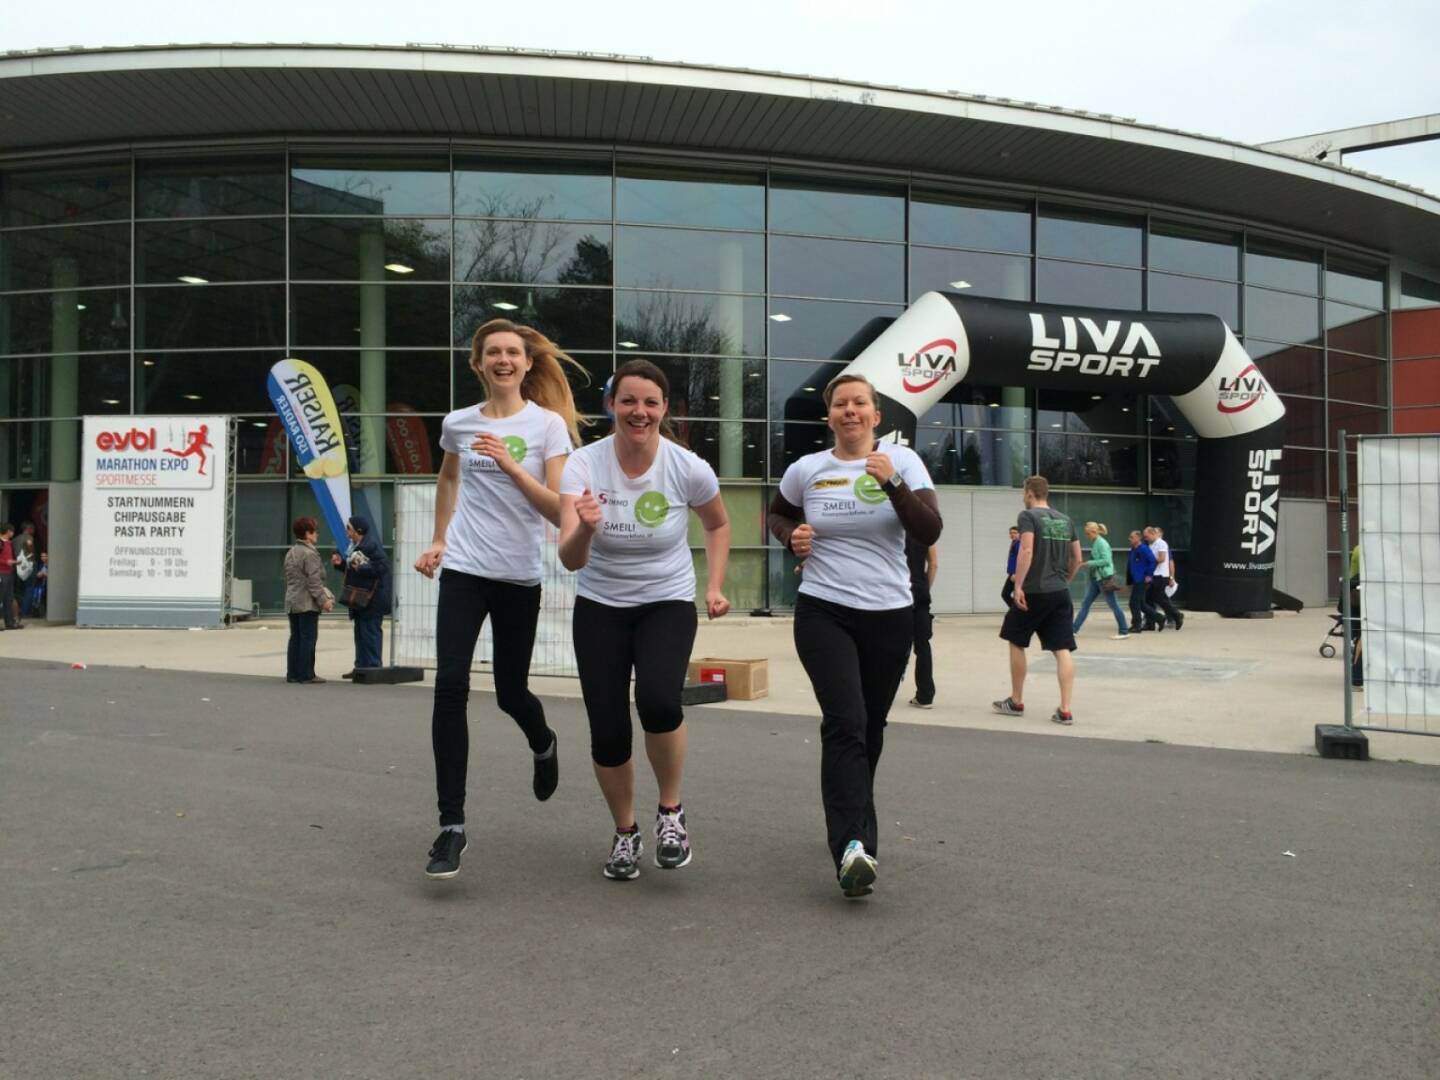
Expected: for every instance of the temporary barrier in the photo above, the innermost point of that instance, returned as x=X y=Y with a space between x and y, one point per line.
x=413 y=628
x=945 y=339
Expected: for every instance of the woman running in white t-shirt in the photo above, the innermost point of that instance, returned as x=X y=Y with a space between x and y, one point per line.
x=846 y=512
x=497 y=488
x=624 y=519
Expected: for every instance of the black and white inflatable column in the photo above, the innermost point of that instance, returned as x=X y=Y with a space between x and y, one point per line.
x=945 y=339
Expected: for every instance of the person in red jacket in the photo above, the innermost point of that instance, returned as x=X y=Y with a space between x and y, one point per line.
x=7 y=576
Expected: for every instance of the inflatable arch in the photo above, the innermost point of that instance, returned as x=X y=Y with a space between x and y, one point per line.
x=945 y=339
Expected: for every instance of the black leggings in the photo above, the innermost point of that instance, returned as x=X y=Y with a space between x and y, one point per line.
x=653 y=639
x=514 y=611
x=855 y=660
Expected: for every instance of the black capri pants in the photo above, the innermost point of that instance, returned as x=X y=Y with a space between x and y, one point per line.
x=654 y=640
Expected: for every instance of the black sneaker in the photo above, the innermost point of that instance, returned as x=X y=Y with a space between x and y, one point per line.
x=547 y=771
x=445 y=855
x=1008 y=707
x=672 y=842
x=1062 y=717
x=625 y=852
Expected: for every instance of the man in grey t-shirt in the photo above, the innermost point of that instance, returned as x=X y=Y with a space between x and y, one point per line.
x=1049 y=559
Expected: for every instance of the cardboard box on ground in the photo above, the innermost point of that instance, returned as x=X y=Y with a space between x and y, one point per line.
x=744 y=680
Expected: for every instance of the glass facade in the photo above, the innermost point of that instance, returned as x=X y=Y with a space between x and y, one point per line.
x=170 y=283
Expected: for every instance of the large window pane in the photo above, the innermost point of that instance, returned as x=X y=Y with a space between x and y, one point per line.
x=970 y=405
x=840 y=269
x=792 y=440
x=1282 y=267
x=1282 y=316
x=1354 y=329
x=975 y=458
x=532 y=252
x=187 y=188
x=689 y=323
x=1093 y=237
x=836 y=210
x=1355 y=420
x=1166 y=420
x=65 y=196
x=728 y=387
x=795 y=389
x=509 y=188
x=88 y=320
x=356 y=249
x=1194 y=251
x=1353 y=284
x=988 y=226
x=65 y=257
x=650 y=258
x=1304 y=421
x=1080 y=411
x=1090 y=460
x=707 y=437
x=572 y=318
x=1357 y=378
x=706 y=199
x=260 y=450
x=1418 y=292
x=373 y=316
x=238 y=249
x=1289 y=369
x=364 y=185
x=1302 y=474
x=1088 y=286
x=1170 y=293
x=1172 y=465
x=210 y=317
x=1006 y=277
x=203 y=382
x=824 y=329
x=64 y=385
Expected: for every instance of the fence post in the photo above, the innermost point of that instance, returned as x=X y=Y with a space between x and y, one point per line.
x=1347 y=655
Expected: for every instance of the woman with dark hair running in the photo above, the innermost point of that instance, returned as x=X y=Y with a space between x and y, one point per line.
x=497 y=488
x=846 y=512
x=624 y=520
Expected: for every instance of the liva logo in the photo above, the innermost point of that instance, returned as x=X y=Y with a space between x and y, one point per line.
x=1262 y=514
x=134 y=439
x=1101 y=357
x=930 y=365
x=1238 y=394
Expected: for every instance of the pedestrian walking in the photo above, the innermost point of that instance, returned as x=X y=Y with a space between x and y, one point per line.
x=1101 y=567
x=923 y=563
x=7 y=576
x=367 y=591
x=1159 y=598
x=847 y=512
x=1139 y=572
x=1007 y=591
x=305 y=598
x=1049 y=560
x=624 y=521
x=498 y=485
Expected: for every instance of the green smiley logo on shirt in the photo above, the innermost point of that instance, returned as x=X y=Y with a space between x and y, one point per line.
x=868 y=489
x=516 y=446
x=651 y=508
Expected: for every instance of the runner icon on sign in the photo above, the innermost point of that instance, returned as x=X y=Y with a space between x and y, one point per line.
x=199 y=443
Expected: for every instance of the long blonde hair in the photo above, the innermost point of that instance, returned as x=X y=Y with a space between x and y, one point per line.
x=545 y=383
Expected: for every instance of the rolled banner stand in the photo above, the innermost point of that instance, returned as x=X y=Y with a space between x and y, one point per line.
x=945 y=339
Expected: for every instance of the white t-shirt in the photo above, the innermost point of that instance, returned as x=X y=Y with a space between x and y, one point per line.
x=640 y=554
x=1160 y=547
x=857 y=557
x=495 y=533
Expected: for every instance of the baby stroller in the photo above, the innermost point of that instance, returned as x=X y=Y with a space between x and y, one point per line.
x=1337 y=632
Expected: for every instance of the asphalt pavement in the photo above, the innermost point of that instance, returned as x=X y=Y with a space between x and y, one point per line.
x=209 y=875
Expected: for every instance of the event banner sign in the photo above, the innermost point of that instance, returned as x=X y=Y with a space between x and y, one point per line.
x=153 y=512
x=306 y=407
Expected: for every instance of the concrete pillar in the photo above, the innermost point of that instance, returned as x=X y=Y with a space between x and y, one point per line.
x=372 y=347
x=730 y=320
x=64 y=368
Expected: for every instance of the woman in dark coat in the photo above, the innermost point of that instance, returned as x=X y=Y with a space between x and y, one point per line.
x=367 y=566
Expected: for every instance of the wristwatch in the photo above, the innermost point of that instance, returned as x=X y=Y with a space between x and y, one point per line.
x=894 y=483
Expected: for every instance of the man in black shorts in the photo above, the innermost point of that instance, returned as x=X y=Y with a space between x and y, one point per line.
x=1049 y=558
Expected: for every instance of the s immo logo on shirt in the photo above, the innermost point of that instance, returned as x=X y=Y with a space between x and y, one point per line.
x=651 y=509
x=928 y=366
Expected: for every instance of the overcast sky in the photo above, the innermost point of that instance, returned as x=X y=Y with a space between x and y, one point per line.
x=1240 y=69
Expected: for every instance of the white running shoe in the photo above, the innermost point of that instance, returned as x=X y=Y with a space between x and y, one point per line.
x=857 y=870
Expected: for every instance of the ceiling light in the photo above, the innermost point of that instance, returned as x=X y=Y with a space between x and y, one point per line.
x=79 y=307
x=1097 y=397
x=110 y=401
x=749 y=446
x=149 y=363
x=191 y=279
x=1104 y=440
x=753 y=374
x=779 y=316
x=1054 y=425
x=622 y=344
x=959 y=284
x=258 y=423
x=994 y=404
x=191 y=397
x=505 y=305
x=811 y=389
x=399 y=268
x=1125 y=408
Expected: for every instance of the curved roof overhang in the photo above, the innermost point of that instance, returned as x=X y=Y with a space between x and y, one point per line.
x=80 y=99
